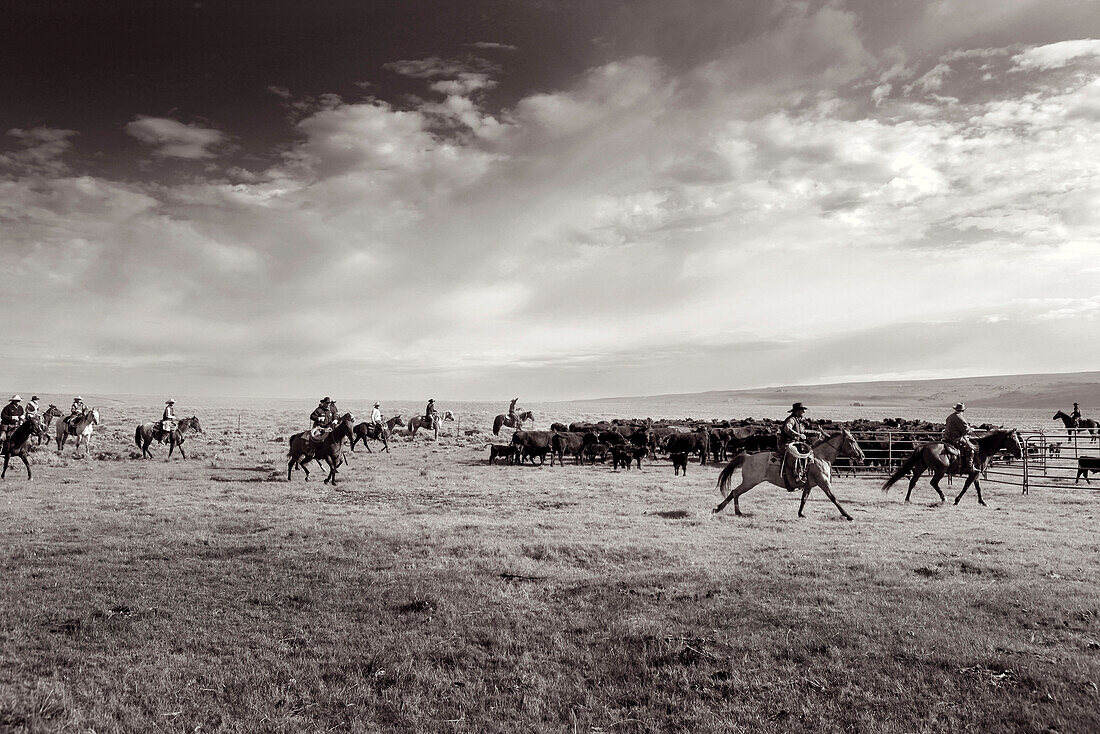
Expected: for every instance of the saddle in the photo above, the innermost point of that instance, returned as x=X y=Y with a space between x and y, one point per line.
x=317 y=434
x=167 y=426
x=794 y=466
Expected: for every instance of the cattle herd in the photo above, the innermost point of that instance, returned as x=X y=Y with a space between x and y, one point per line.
x=623 y=443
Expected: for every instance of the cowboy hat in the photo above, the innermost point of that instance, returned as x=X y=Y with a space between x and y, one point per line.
x=78 y=398
x=14 y=398
x=960 y=407
x=797 y=406
x=34 y=397
x=377 y=404
x=326 y=400
x=169 y=401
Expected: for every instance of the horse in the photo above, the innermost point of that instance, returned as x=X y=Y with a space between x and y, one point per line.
x=82 y=429
x=303 y=449
x=517 y=422
x=419 y=421
x=934 y=456
x=365 y=430
x=1082 y=424
x=765 y=467
x=146 y=433
x=47 y=418
x=17 y=442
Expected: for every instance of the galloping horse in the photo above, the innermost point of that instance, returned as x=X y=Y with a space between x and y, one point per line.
x=934 y=456
x=47 y=418
x=365 y=430
x=16 y=444
x=146 y=433
x=303 y=449
x=1082 y=425
x=765 y=466
x=418 y=421
x=82 y=429
x=517 y=422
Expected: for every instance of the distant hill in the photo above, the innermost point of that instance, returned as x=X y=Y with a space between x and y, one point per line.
x=1052 y=391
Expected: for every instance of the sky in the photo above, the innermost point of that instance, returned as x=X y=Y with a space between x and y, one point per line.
x=551 y=199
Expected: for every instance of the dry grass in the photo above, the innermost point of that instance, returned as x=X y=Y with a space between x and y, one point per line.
x=431 y=592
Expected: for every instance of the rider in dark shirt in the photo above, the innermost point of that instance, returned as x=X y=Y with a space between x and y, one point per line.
x=956 y=431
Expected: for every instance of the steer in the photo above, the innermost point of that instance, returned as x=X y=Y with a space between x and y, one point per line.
x=530 y=444
x=570 y=443
x=687 y=443
x=1085 y=464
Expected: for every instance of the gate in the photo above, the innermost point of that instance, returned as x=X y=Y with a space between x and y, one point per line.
x=1052 y=461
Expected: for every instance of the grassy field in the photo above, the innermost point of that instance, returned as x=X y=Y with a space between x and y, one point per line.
x=431 y=592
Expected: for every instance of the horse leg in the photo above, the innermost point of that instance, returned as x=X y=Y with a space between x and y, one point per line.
x=937 y=475
x=5 y=471
x=26 y=464
x=970 y=479
x=978 y=489
x=918 y=472
x=824 y=484
x=180 y=444
x=733 y=495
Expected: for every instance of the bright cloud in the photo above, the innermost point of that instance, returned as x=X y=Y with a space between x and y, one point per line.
x=173 y=139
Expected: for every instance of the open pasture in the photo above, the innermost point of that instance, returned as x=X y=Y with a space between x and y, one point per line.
x=430 y=591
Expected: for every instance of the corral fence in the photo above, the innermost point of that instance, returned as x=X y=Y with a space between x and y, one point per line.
x=1051 y=460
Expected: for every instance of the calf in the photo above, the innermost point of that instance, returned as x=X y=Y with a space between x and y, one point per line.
x=679 y=461
x=502 y=451
x=1085 y=464
x=597 y=450
x=623 y=455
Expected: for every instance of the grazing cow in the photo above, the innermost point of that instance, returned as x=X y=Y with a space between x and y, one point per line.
x=1085 y=464
x=530 y=444
x=582 y=427
x=502 y=451
x=687 y=443
x=679 y=461
x=598 y=450
x=570 y=443
x=623 y=455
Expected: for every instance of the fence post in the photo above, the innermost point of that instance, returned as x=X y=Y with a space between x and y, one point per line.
x=889 y=451
x=1026 y=453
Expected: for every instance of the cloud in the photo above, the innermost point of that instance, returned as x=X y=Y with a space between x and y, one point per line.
x=1057 y=55
x=173 y=139
x=739 y=215
x=491 y=46
x=42 y=150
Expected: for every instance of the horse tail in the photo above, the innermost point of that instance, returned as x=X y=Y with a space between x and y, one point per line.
x=137 y=436
x=904 y=469
x=497 y=423
x=726 y=475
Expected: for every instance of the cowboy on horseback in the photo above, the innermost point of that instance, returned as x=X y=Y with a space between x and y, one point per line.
x=956 y=432
x=32 y=407
x=431 y=415
x=794 y=443
x=512 y=409
x=76 y=412
x=11 y=416
x=168 y=419
x=376 y=415
x=322 y=417
x=1076 y=415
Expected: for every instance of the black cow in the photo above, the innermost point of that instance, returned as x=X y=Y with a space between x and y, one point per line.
x=570 y=443
x=687 y=443
x=1085 y=464
x=530 y=444
x=612 y=438
x=679 y=461
x=597 y=450
x=558 y=427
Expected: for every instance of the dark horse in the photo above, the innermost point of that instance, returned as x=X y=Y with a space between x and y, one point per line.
x=1084 y=424
x=146 y=433
x=420 y=421
x=517 y=422
x=330 y=449
x=934 y=456
x=17 y=443
x=365 y=430
x=47 y=418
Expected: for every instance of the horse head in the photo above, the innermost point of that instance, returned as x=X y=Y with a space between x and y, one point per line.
x=398 y=420
x=1014 y=444
x=94 y=412
x=193 y=421
x=850 y=447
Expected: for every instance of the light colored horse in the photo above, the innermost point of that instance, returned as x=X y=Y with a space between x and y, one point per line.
x=765 y=467
x=418 y=421
x=82 y=429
